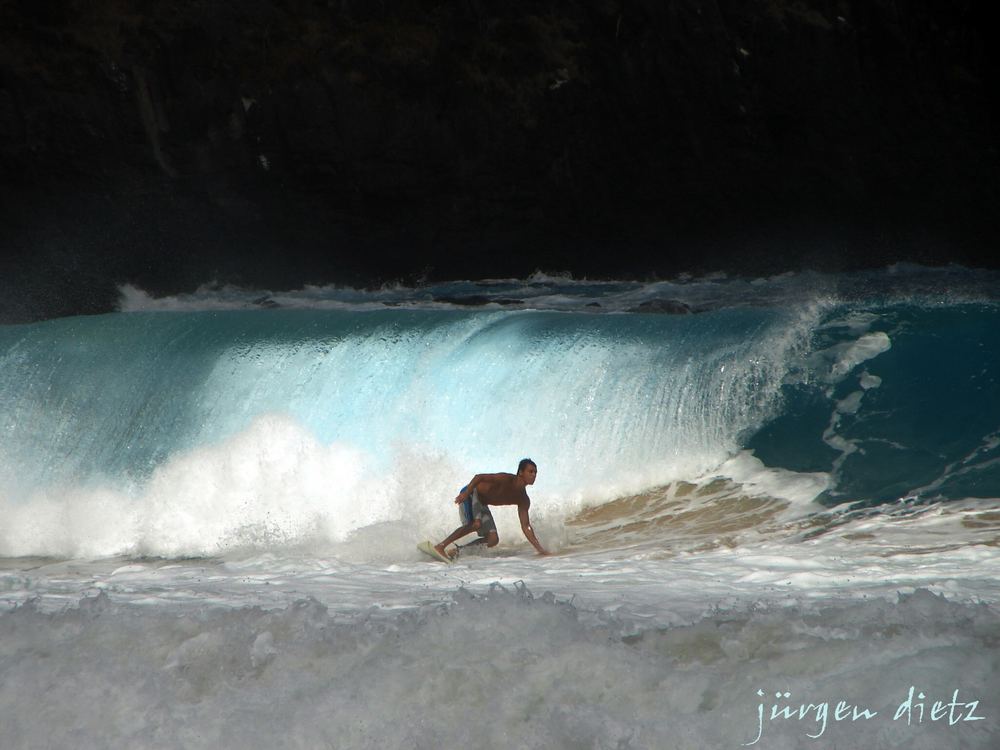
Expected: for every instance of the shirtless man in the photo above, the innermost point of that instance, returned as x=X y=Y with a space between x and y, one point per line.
x=494 y=489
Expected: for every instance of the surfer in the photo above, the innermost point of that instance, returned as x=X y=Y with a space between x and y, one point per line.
x=494 y=489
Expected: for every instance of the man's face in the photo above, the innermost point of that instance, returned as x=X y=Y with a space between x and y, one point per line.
x=528 y=474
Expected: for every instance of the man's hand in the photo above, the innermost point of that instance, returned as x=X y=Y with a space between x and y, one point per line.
x=466 y=492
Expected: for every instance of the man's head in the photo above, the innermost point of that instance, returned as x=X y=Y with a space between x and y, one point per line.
x=527 y=470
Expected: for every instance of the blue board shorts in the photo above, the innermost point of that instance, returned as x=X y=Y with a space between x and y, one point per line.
x=471 y=509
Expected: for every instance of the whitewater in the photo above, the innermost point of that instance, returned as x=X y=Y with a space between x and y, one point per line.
x=774 y=503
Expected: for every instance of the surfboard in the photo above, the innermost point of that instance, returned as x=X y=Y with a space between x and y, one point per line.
x=428 y=549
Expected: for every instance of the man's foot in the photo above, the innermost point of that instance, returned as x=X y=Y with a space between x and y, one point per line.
x=439 y=548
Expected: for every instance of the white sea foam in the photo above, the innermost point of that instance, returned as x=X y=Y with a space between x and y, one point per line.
x=756 y=479
x=271 y=485
x=868 y=381
x=275 y=486
x=533 y=672
x=849 y=355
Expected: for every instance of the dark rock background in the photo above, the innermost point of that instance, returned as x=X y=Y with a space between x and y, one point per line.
x=279 y=142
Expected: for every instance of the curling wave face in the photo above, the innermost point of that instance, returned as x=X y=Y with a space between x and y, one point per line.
x=233 y=419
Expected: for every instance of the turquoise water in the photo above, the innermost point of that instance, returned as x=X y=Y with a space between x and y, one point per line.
x=598 y=398
x=892 y=398
x=210 y=504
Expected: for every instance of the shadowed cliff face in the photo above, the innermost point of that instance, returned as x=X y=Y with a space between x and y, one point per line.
x=275 y=143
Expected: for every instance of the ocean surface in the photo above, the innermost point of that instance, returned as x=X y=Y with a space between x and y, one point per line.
x=774 y=505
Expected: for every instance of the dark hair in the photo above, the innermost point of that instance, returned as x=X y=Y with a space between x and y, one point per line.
x=526 y=462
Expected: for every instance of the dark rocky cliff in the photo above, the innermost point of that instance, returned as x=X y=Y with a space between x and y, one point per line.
x=276 y=142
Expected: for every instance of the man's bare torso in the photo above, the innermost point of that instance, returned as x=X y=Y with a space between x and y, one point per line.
x=501 y=489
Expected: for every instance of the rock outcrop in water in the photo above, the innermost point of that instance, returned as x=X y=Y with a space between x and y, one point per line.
x=276 y=142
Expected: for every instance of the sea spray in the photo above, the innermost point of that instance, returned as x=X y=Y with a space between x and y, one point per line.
x=188 y=433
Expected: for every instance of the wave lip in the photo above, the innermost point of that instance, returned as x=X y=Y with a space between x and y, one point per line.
x=562 y=292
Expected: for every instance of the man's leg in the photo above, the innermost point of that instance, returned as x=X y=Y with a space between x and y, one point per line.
x=457 y=534
x=490 y=540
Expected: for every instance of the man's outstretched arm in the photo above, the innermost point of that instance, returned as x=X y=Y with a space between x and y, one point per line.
x=529 y=533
